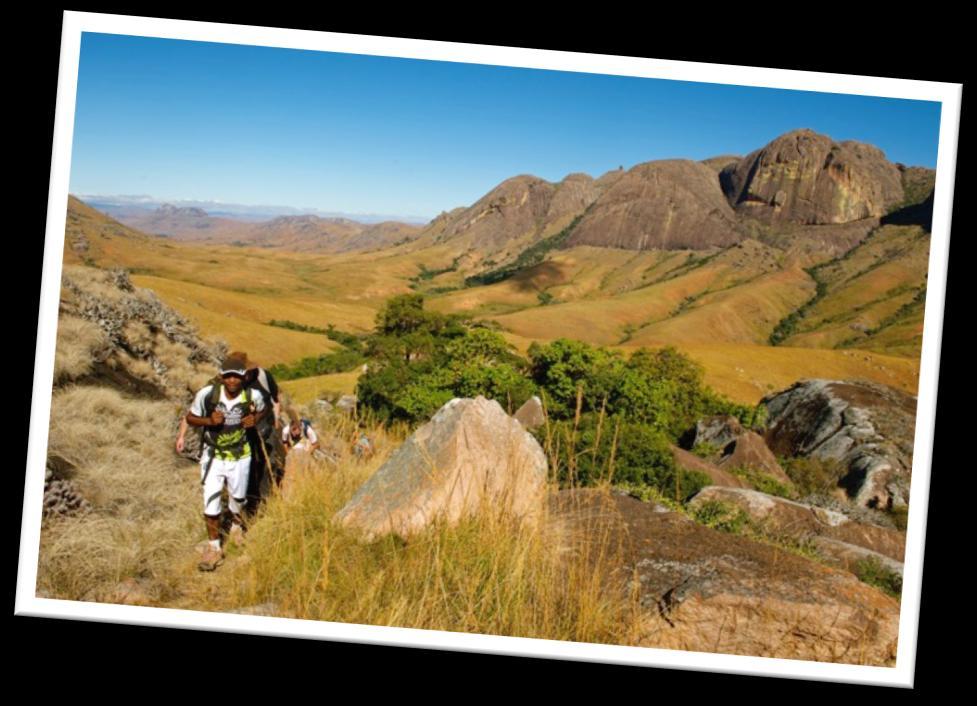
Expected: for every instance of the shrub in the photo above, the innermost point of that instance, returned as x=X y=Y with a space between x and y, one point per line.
x=875 y=573
x=620 y=451
x=761 y=481
x=721 y=516
x=813 y=476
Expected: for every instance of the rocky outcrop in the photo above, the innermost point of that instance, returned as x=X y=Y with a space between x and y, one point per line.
x=708 y=591
x=735 y=447
x=691 y=462
x=718 y=431
x=804 y=177
x=471 y=456
x=144 y=348
x=867 y=427
x=782 y=516
x=669 y=205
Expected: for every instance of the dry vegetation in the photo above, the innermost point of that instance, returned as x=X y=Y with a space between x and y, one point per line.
x=145 y=500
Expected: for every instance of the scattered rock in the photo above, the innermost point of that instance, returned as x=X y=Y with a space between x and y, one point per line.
x=531 y=414
x=469 y=454
x=62 y=497
x=347 y=404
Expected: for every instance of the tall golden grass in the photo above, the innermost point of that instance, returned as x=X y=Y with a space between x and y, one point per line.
x=145 y=500
x=487 y=574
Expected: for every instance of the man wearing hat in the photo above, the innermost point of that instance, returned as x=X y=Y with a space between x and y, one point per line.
x=226 y=410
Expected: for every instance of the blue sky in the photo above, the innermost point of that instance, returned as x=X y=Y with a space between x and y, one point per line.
x=182 y=120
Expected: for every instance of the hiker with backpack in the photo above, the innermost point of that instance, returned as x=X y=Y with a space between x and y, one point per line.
x=226 y=410
x=300 y=436
x=268 y=457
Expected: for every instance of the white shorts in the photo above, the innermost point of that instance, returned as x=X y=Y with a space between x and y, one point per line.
x=232 y=473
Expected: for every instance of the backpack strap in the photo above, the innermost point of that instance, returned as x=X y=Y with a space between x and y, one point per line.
x=213 y=399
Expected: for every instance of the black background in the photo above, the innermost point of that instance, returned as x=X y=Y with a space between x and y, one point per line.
x=112 y=660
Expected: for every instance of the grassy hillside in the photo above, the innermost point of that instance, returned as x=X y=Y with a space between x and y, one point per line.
x=872 y=296
x=700 y=301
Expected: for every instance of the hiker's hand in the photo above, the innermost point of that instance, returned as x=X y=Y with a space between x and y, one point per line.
x=180 y=443
x=216 y=418
x=248 y=421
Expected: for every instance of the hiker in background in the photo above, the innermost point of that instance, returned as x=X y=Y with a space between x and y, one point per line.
x=268 y=456
x=363 y=446
x=300 y=436
x=226 y=410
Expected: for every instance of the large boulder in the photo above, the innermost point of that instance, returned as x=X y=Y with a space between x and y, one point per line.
x=748 y=450
x=469 y=457
x=531 y=414
x=708 y=591
x=719 y=431
x=782 y=516
x=804 y=177
x=867 y=427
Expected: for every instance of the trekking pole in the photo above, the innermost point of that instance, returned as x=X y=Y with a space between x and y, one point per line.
x=268 y=469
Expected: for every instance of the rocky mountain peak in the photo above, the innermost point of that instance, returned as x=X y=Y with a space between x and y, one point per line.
x=805 y=177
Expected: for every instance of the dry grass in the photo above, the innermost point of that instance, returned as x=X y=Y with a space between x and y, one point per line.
x=77 y=342
x=146 y=501
x=486 y=574
x=307 y=390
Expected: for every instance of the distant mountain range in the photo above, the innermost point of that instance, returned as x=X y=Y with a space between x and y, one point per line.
x=134 y=205
x=298 y=233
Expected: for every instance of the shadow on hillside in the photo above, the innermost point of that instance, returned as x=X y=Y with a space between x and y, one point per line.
x=920 y=214
x=545 y=274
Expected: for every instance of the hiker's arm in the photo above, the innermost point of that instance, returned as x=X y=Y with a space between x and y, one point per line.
x=278 y=414
x=214 y=420
x=259 y=410
x=181 y=436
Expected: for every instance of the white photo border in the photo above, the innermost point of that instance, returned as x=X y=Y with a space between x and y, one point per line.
x=75 y=23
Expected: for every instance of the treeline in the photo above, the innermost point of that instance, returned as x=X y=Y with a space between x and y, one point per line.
x=349 y=357
x=609 y=415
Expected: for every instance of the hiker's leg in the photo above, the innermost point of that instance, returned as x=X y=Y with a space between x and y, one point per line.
x=237 y=485
x=212 y=475
x=213 y=527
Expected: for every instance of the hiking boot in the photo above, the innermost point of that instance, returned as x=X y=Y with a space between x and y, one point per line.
x=236 y=535
x=211 y=559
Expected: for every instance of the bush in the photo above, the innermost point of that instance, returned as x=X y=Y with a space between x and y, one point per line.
x=620 y=451
x=423 y=359
x=662 y=388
